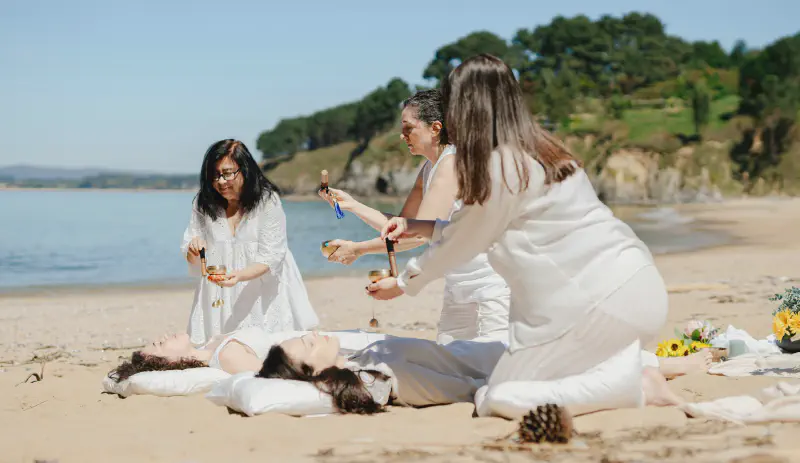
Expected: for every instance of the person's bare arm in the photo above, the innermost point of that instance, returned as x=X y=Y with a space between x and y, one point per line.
x=235 y=358
x=435 y=204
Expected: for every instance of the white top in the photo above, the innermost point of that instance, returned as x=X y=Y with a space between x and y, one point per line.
x=422 y=372
x=476 y=298
x=558 y=247
x=253 y=338
x=276 y=301
x=475 y=280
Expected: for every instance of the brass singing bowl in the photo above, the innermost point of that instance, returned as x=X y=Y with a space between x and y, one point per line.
x=378 y=275
x=327 y=249
x=216 y=270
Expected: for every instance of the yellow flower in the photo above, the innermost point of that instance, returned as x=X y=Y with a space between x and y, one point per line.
x=674 y=345
x=784 y=316
x=662 y=351
x=779 y=326
x=683 y=351
x=697 y=345
x=794 y=323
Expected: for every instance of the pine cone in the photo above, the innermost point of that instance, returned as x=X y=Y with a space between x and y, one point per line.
x=545 y=424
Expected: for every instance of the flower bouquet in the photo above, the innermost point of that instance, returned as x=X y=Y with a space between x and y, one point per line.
x=695 y=336
x=786 y=320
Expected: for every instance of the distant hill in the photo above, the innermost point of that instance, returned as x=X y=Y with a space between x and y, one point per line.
x=29 y=172
x=28 y=176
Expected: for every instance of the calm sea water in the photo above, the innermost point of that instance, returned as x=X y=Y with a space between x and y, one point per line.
x=53 y=238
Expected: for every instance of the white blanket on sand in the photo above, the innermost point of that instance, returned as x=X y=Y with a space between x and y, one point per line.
x=762 y=357
x=780 y=402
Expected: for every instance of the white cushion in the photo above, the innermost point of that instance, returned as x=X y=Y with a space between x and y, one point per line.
x=615 y=383
x=253 y=396
x=166 y=383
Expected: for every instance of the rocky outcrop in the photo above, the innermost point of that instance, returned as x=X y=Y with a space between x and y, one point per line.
x=639 y=176
x=665 y=172
x=374 y=179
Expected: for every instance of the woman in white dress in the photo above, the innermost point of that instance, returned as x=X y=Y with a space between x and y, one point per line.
x=238 y=219
x=476 y=298
x=583 y=286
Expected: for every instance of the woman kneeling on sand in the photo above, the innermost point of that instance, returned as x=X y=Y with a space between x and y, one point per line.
x=584 y=287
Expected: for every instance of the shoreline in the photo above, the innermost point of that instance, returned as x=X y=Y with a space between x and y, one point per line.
x=309 y=197
x=725 y=239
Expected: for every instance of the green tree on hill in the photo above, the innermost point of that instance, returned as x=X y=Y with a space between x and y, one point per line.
x=379 y=109
x=770 y=93
x=289 y=136
x=710 y=54
x=451 y=55
x=700 y=99
x=607 y=55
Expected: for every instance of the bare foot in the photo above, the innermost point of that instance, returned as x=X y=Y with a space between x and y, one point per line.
x=656 y=391
x=699 y=362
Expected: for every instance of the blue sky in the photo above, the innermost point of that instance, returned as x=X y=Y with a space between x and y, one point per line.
x=148 y=85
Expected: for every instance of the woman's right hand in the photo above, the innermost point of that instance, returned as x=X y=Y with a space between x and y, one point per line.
x=347 y=253
x=397 y=228
x=346 y=202
x=196 y=245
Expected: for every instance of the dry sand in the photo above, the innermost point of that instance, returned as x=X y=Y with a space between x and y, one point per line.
x=82 y=334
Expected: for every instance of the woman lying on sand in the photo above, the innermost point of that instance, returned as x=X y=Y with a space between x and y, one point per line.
x=404 y=371
x=242 y=350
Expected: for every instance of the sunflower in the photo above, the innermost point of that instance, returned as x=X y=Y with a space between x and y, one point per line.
x=779 y=326
x=697 y=345
x=794 y=323
x=674 y=345
x=683 y=351
x=784 y=316
x=662 y=351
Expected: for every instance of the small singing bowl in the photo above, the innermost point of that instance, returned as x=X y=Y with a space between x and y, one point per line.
x=216 y=270
x=378 y=275
x=327 y=249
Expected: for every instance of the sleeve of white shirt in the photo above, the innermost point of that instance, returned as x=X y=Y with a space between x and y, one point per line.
x=474 y=228
x=193 y=230
x=272 y=243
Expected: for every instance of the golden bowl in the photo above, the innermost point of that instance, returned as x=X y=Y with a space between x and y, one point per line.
x=378 y=275
x=216 y=270
x=327 y=249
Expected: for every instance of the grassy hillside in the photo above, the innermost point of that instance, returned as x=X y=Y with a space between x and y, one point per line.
x=653 y=127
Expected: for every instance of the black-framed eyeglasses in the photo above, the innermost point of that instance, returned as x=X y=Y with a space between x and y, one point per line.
x=228 y=176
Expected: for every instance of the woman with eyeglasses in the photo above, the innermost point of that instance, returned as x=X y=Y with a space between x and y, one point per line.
x=238 y=220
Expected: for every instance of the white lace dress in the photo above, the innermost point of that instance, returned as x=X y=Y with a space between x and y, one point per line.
x=276 y=301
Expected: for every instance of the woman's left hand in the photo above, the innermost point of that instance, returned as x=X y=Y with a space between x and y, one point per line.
x=228 y=281
x=385 y=289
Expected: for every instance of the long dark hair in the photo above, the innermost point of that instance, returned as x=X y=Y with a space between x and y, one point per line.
x=430 y=109
x=344 y=385
x=255 y=187
x=140 y=362
x=485 y=109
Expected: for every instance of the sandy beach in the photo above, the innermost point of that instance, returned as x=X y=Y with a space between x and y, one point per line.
x=81 y=334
